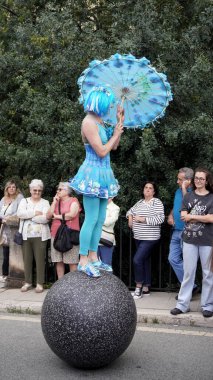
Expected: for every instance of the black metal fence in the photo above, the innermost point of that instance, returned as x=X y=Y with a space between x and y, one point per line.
x=163 y=278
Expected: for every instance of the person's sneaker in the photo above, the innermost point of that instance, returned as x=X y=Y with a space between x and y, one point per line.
x=207 y=313
x=137 y=293
x=146 y=292
x=26 y=287
x=100 y=265
x=3 y=278
x=89 y=269
x=39 y=288
x=176 y=311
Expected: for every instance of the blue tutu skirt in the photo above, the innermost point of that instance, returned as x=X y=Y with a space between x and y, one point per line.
x=95 y=177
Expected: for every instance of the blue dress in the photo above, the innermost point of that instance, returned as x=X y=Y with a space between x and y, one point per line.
x=95 y=177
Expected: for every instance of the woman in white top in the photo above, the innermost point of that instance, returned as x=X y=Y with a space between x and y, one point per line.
x=107 y=242
x=35 y=230
x=145 y=219
x=8 y=215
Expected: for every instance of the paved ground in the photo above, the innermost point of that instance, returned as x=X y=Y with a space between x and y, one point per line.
x=152 y=309
x=155 y=353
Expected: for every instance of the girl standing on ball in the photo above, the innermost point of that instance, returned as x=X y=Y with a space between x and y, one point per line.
x=95 y=179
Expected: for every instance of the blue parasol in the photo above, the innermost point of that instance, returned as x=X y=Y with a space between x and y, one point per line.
x=138 y=87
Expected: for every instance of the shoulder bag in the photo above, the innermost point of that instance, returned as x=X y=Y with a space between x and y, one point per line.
x=107 y=238
x=62 y=241
x=18 y=236
x=4 y=237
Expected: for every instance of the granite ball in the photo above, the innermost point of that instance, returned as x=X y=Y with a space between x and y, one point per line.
x=88 y=322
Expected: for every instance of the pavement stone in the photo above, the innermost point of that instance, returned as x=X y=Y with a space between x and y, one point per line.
x=153 y=309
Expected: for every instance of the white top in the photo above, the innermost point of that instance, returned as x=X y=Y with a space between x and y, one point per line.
x=33 y=226
x=112 y=213
x=153 y=211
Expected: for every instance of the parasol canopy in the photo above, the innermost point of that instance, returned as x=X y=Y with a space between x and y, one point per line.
x=143 y=92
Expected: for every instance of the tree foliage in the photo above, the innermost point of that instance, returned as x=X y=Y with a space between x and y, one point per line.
x=45 y=45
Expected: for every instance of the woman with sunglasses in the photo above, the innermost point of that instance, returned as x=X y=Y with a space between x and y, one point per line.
x=64 y=204
x=8 y=215
x=197 y=212
x=34 y=226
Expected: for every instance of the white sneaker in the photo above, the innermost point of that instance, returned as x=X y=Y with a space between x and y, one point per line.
x=3 y=278
x=39 y=288
x=26 y=287
x=137 y=294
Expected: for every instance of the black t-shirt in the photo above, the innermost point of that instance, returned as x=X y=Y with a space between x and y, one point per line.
x=198 y=233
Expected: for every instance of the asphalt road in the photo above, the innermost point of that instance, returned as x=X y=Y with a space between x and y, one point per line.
x=156 y=353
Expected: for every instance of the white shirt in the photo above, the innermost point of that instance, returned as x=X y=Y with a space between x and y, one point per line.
x=153 y=212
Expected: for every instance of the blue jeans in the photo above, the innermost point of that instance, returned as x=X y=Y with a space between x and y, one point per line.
x=176 y=255
x=105 y=254
x=142 y=261
x=191 y=253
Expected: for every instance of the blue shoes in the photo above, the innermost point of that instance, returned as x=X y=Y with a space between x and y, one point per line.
x=102 y=266
x=89 y=269
x=92 y=269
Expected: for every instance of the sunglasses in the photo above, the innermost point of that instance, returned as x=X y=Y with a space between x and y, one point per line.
x=37 y=191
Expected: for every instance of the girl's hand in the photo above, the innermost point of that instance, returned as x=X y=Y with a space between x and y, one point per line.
x=118 y=130
x=120 y=114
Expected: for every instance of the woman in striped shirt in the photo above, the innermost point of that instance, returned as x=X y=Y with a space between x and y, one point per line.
x=145 y=219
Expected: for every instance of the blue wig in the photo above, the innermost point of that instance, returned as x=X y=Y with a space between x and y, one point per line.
x=98 y=100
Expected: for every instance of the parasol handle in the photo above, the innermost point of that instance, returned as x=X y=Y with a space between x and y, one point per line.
x=122 y=102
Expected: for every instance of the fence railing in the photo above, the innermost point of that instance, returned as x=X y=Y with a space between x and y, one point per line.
x=163 y=278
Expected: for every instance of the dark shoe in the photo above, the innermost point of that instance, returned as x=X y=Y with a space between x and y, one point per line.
x=207 y=313
x=146 y=292
x=176 y=311
x=176 y=297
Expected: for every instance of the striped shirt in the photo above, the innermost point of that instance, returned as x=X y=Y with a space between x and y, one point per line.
x=153 y=211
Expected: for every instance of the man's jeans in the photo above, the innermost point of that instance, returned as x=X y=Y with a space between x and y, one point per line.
x=176 y=255
x=191 y=253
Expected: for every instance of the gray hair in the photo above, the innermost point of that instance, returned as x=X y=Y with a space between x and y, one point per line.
x=36 y=183
x=189 y=173
x=67 y=186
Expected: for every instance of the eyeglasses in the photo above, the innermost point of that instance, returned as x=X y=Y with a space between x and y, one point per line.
x=37 y=191
x=199 y=179
x=61 y=189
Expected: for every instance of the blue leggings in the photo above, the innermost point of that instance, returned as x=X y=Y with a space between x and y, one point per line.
x=95 y=214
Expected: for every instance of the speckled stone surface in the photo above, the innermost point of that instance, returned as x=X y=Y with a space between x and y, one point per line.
x=88 y=322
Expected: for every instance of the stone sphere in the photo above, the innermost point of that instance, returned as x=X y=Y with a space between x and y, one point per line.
x=88 y=322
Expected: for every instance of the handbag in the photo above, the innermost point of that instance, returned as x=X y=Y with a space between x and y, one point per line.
x=3 y=237
x=75 y=236
x=18 y=236
x=107 y=239
x=62 y=241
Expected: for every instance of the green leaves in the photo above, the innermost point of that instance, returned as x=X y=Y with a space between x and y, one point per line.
x=45 y=45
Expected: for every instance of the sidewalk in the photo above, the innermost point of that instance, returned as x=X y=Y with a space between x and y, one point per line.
x=152 y=309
